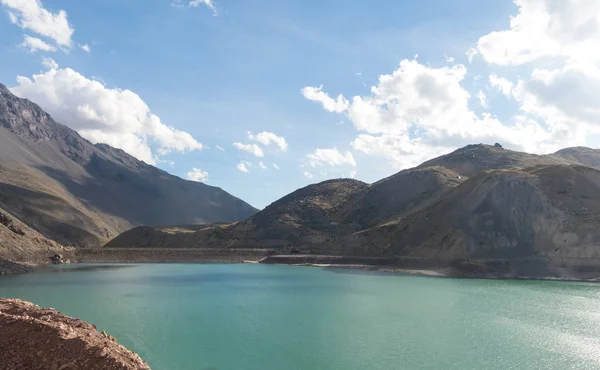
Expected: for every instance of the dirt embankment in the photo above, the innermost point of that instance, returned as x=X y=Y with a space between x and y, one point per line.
x=22 y=248
x=35 y=338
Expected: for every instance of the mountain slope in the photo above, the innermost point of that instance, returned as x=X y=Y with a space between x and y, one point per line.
x=309 y=218
x=311 y=215
x=400 y=193
x=548 y=211
x=20 y=243
x=82 y=194
x=513 y=207
x=586 y=156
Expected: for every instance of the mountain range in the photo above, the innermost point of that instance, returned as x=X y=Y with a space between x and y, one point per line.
x=82 y=195
x=479 y=202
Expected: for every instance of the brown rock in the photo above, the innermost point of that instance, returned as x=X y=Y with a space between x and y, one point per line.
x=34 y=338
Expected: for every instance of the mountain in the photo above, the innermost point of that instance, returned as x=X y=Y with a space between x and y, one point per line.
x=81 y=194
x=310 y=215
x=478 y=203
x=550 y=211
x=586 y=156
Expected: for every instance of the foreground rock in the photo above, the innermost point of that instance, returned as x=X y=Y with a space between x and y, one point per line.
x=36 y=338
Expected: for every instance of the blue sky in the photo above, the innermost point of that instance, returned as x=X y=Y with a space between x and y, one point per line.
x=205 y=76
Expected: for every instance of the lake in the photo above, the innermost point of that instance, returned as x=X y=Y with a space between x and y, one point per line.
x=218 y=317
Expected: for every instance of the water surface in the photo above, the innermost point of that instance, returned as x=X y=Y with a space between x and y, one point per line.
x=238 y=317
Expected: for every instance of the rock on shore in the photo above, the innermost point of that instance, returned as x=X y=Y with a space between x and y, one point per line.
x=35 y=338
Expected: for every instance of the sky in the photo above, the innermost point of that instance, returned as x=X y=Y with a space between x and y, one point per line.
x=263 y=97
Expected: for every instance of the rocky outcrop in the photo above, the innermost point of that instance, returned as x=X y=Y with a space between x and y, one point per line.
x=35 y=338
x=22 y=248
x=59 y=259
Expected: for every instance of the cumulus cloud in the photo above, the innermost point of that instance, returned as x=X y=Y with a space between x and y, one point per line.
x=555 y=45
x=266 y=138
x=338 y=105
x=307 y=174
x=31 y=15
x=198 y=175
x=244 y=166
x=117 y=117
x=262 y=165
x=546 y=28
x=330 y=157
x=250 y=148
x=420 y=111
x=86 y=48
x=34 y=44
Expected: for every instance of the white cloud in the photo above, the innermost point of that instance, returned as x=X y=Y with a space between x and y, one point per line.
x=546 y=28
x=31 y=15
x=195 y=4
x=198 y=175
x=482 y=99
x=420 y=111
x=330 y=157
x=315 y=94
x=275 y=166
x=116 y=117
x=86 y=48
x=34 y=44
x=244 y=165
x=502 y=84
x=49 y=63
x=307 y=174
x=250 y=148
x=555 y=45
x=471 y=53
x=266 y=138
x=262 y=165
x=220 y=148
x=448 y=59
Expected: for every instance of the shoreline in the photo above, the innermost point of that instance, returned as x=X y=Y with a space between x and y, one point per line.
x=521 y=269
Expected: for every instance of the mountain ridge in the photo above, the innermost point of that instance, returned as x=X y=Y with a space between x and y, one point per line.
x=513 y=206
x=82 y=194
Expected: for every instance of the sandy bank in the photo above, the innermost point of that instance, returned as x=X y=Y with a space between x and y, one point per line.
x=35 y=338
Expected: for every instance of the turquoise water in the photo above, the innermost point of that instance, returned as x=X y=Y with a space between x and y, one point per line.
x=278 y=317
